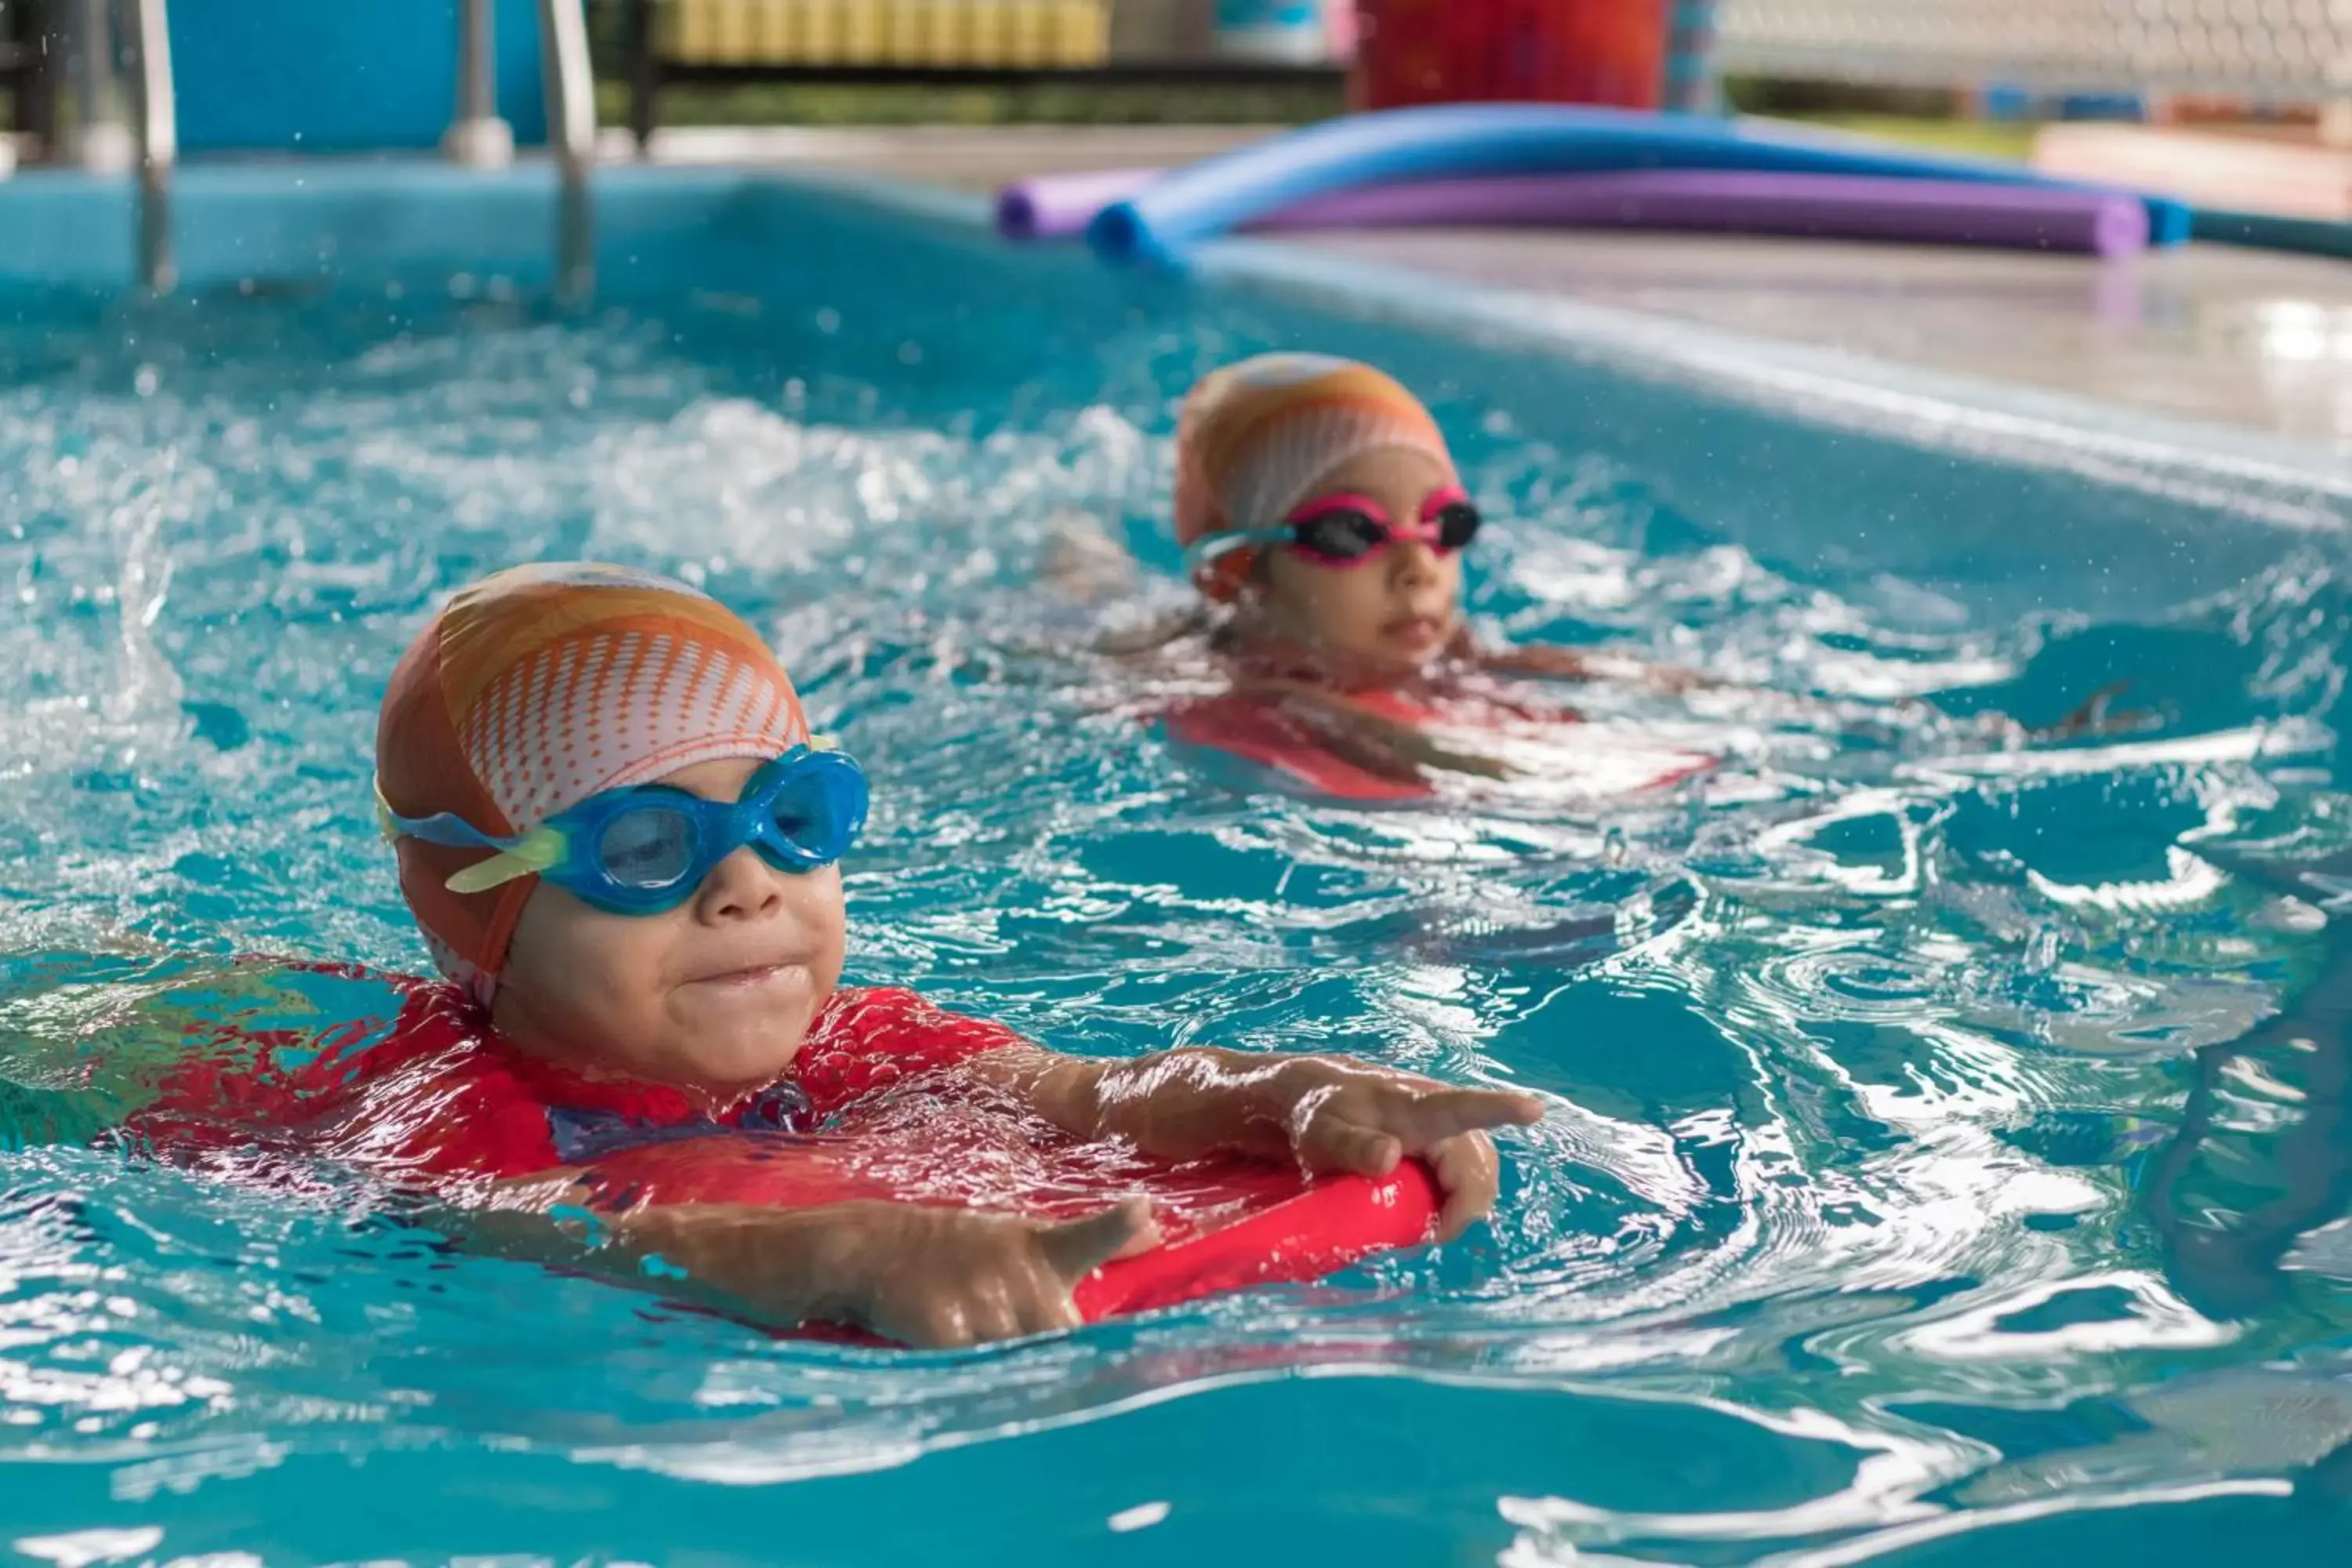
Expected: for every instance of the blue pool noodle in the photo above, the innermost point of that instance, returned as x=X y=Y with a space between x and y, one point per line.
x=1161 y=222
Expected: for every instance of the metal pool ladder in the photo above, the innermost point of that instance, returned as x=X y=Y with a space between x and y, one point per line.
x=158 y=140
x=571 y=133
x=571 y=89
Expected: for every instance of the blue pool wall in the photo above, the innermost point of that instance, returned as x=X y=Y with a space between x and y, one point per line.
x=327 y=75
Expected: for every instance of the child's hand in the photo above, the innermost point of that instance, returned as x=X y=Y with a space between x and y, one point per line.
x=2095 y=718
x=1326 y=1112
x=928 y=1277
x=942 y=1278
x=1344 y=1116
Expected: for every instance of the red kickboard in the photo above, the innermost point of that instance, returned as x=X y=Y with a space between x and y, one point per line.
x=1229 y=1223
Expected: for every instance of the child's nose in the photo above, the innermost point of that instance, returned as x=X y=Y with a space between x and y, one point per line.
x=740 y=888
x=1412 y=562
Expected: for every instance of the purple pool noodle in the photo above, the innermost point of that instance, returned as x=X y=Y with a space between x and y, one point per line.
x=1162 y=223
x=1059 y=206
x=1829 y=206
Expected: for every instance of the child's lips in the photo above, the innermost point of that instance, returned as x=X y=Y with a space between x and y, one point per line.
x=751 y=976
x=1417 y=631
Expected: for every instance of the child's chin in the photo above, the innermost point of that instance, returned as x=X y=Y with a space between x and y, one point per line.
x=746 y=1058
x=732 y=1019
x=1385 y=658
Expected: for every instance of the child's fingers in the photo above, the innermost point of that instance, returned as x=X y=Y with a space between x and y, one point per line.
x=1424 y=1121
x=1145 y=1236
x=1332 y=1143
x=1007 y=1306
x=1076 y=1248
x=1027 y=1299
x=1470 y=1176
x=941 y=1324
x=1011 y=1306
x=1045 y=1304
x=2096 y=717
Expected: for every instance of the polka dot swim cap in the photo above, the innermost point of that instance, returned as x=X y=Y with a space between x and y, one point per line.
x=539 y=687
x=1257 y=437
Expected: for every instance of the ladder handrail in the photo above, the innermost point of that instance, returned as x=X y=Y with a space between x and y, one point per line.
x=477 y=137
x=571 y=80
x=158 y=140
x=571 y=89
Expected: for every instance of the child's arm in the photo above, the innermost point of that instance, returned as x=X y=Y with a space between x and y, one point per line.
x=926 y=1277
x=1329 y=1113
x=1374 y=742
x=1082 y=560
x=1083 y=564
x=1549 y=661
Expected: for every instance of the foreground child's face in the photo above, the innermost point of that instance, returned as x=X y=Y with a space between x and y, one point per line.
x=713 y=996
x=1395 y=611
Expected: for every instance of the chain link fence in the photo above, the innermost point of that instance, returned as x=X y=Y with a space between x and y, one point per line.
x=2276 y=51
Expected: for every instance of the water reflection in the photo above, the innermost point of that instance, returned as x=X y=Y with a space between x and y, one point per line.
x=2264 y=1153
x=1945 y=1134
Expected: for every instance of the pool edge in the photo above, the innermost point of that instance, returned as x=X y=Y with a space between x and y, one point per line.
x=2299 y=484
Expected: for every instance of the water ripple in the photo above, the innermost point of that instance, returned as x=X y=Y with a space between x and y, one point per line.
x=1858 y=1058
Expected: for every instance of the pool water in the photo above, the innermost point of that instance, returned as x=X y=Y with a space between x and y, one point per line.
x=1921 y=1179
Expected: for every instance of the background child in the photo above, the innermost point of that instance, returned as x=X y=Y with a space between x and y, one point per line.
x=1322 y=515
x=1325 y=523
x=622 y=845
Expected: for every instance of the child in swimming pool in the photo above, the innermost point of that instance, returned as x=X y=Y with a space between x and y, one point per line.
x=1322 y=516
x=1323 y=519
x=620 y=840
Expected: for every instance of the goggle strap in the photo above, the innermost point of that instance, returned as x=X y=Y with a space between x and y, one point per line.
x=450 y=832
x=1210 y=547
x=538 y=851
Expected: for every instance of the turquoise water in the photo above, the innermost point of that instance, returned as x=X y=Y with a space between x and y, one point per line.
x=1914 y=1189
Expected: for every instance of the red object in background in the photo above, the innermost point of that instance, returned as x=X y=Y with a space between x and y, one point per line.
x=1467 y=52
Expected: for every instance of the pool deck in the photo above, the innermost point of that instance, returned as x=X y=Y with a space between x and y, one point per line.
x=2253 y=339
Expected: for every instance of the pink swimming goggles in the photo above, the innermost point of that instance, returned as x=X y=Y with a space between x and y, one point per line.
x=1349 y=530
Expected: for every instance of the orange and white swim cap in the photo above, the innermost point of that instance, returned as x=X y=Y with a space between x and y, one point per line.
x=1257 y=437
x=539 y=687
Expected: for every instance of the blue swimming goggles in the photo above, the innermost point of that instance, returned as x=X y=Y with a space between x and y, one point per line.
x=646 y=849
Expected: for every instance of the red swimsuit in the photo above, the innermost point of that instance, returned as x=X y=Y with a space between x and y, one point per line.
x=442 y=1095
x=871 y=1109
x=1303 y=741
